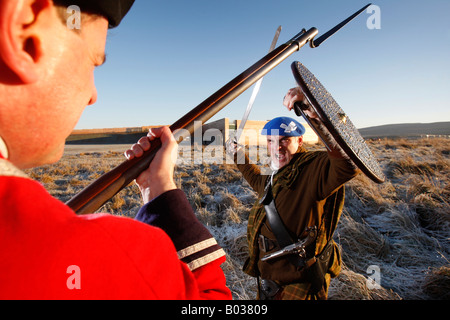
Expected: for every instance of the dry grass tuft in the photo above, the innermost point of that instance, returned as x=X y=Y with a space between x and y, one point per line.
x=437 y=283
x=354 y=286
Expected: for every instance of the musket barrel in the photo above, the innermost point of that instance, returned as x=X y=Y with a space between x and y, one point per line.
x=104 y=188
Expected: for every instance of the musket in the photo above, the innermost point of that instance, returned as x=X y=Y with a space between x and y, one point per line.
x=109 y=184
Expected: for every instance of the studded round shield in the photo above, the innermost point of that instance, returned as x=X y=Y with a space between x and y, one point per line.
x=337 y=123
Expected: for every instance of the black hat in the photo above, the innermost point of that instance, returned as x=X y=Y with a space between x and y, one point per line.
x=113 y=10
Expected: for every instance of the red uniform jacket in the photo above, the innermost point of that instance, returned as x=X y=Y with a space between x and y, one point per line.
x=49 y=252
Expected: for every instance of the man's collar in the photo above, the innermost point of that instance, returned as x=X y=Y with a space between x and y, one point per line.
x=3 y=149
x=9 y=170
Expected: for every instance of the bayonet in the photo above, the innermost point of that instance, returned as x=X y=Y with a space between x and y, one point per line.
x=316 y=42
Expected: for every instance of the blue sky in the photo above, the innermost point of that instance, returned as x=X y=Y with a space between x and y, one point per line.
x=168 y=56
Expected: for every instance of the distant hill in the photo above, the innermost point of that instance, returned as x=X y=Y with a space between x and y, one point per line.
x=131 y=135
x=107 y=136
x=406 y=130
x=104 y=138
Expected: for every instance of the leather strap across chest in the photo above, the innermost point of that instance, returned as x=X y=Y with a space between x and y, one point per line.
x=273 y=217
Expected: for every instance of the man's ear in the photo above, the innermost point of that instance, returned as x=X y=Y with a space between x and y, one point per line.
x=20 y=42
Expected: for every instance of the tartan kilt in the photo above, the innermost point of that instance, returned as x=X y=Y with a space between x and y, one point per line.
x=301 y=291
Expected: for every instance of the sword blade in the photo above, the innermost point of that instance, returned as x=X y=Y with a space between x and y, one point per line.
x=326 y=35
x=254 y=93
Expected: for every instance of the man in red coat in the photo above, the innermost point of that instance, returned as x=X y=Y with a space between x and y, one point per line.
x=47 y=251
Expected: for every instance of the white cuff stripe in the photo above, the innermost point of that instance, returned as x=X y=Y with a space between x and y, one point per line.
x=200 y=262
x=196 y=248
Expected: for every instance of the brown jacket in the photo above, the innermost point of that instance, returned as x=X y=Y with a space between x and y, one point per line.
x=308 y=192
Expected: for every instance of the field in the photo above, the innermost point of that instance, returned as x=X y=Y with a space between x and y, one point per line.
x=394 y=237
